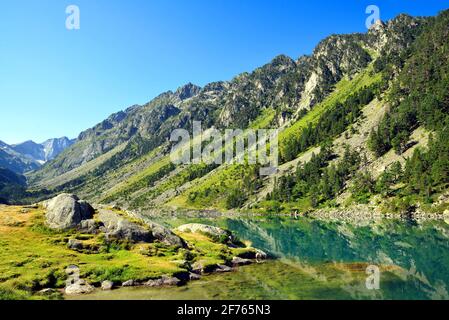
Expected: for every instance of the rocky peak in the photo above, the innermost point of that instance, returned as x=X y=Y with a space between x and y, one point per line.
x=394 y=35
x=187 y=91
x=53 y=147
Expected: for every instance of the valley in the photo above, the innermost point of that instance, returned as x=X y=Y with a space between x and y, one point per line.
x=363 y=123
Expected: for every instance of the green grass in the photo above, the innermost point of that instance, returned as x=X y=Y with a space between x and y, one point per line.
x=264 y=120
x=33 y=257
x=213 y=191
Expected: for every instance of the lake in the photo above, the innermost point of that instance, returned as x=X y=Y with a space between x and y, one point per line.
x=322 y=260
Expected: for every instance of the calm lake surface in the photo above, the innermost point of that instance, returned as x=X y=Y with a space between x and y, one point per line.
x=322 y=260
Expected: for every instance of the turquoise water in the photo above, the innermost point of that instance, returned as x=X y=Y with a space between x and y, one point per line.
x=323 y=260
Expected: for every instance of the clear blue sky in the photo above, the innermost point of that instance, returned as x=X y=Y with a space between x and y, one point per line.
x=56 y=82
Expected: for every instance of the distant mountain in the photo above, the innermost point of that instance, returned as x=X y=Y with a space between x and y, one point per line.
x=29 y=156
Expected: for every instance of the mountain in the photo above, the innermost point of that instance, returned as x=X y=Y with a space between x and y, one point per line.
x=12 y=186
x=349 y=131
x=15 y=161
x=29 y=156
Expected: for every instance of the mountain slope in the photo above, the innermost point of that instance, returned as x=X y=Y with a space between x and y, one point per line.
x=12 y=186
x=320 y=102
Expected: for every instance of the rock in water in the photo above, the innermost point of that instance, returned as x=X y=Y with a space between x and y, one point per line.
x=107 y=285
x=129 y=283
x=236 y=261
x=79 y=287
x=66 y=211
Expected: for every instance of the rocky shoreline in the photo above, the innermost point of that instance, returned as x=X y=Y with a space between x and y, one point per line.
x=67 y=213
x=76 y=286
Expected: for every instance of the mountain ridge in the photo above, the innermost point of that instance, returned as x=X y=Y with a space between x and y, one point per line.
x=29 y=155
x=322 y=97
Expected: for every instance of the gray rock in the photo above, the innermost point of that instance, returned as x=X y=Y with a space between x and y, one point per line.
x=261 y=255
x=236 y=261
x=89 y=226
x=86 y=210
x=222 y=268
x=47 y=291
x=76 y=245
x=165 y=235
x=107 y=285
x=120 y=228
x=129 y=283
x=198 y=268
x=163 y=281
x=212 y=231
x=72 y=269
x=66 y=211
x=78 y=288
x=194 y=276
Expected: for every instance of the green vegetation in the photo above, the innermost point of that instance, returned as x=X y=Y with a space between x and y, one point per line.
x=316 y=180
x=34 y=257
x=331 y=117
x=420 y=97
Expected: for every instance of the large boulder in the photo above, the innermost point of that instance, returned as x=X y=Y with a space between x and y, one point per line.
x=66 y=211
x=79 y=287
x=165 y=235
x=121 y=228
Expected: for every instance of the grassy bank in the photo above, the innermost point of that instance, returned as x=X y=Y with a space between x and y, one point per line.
x=33 y=257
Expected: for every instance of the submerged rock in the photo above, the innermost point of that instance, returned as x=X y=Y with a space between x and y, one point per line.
x=66 y=211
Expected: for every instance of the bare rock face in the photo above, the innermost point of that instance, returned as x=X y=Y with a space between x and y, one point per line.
x=66 y=211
